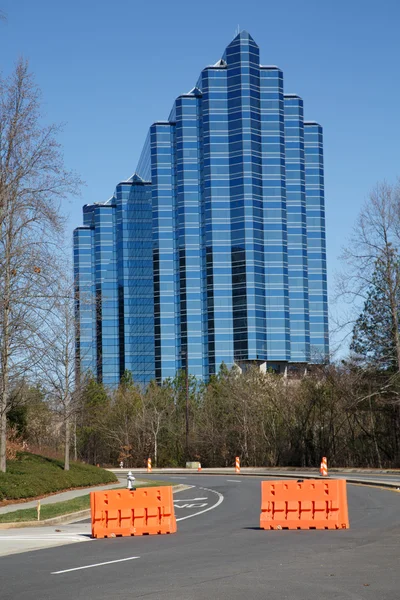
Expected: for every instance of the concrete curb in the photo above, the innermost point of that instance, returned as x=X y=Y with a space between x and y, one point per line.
x=310 y=470
x=70 y=517
x=274 y=473
x=368 y=482
x=62 y=519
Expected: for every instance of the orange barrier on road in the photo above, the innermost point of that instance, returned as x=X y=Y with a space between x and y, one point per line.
x=140 y=512
x=311 y=504
x=149 y=469
x=237 y=464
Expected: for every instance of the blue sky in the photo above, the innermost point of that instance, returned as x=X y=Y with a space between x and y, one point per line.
x=110 y=69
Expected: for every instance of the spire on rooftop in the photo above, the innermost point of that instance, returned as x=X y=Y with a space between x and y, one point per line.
x=244 y=36
x=242 y=42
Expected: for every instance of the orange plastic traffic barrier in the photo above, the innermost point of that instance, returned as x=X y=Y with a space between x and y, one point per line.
x=149 y=469
x=125 y=513
x=323 y=469
x=237 y=465
x=311 y=504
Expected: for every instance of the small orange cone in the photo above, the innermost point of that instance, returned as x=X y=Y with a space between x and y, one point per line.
x=323 y=469
x=199 y=468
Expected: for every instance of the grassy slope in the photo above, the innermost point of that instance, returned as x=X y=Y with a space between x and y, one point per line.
x=48 y=511
x=31 y=475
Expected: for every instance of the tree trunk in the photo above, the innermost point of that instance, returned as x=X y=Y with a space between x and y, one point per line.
x=397 y=337
x=5 y=350
x=378 y=454
x=4 y=399
x=67 y=442
x=393 y=310
x=4 y=387
x=3 y=435
x=67 y=397
x=75 y=444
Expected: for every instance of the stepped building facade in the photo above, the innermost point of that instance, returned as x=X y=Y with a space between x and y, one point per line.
x=214 y=250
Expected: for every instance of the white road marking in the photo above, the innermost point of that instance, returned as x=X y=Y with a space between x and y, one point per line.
x=200 y=505
x=192 y=499
x=178 y=477
x=220 y=500
x=110 y=562
x=234 y=480
x=47 y=538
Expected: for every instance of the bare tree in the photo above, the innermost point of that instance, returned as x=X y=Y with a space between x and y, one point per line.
x=157 y=406
x=33 y=181
x=375 y=240
x=57 y=365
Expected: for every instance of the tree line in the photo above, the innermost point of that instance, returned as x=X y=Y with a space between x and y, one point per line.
x=348 y=414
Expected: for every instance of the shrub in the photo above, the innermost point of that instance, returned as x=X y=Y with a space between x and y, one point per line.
x=31 y=475
x=14 y=443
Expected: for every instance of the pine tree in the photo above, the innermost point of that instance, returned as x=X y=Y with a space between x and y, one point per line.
x=376 y=332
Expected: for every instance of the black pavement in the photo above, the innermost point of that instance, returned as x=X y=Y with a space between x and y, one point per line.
x=219 y=553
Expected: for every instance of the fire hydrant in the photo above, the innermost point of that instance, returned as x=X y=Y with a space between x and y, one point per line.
x=130 y=481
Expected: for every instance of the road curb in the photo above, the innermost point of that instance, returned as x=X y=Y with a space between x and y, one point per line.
x=62 y=519
x=368 y=482
x=273 y=473
x=70 y=517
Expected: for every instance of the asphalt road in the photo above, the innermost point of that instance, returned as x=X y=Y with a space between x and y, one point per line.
x=353 y=476
x=221 y=554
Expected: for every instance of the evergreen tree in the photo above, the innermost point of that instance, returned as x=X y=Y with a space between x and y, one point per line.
x=94 y=404
x=376 y=332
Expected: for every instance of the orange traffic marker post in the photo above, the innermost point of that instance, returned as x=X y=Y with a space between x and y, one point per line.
x=310 y=504
x=145 y=511
x=199 y=468
x=323 y=469
x=149 y=469
x=237 y=465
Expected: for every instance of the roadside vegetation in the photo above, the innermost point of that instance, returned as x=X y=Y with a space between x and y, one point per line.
x=57 y=509
x=348 y=413
x=29 y=476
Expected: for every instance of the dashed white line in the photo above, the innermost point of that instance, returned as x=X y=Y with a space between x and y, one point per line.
x=110 y=562
x=234 y=480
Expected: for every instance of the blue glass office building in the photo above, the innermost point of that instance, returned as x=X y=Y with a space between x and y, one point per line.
x=214 y=250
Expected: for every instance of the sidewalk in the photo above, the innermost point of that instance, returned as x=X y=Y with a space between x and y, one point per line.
x=14 y=541
x=60 y=497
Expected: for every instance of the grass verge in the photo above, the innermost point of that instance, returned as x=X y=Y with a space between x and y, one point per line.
x=32 y=475
x=57 y=509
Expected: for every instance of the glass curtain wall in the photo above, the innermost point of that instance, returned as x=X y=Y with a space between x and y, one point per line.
x=214 y=251
x=316 y=243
